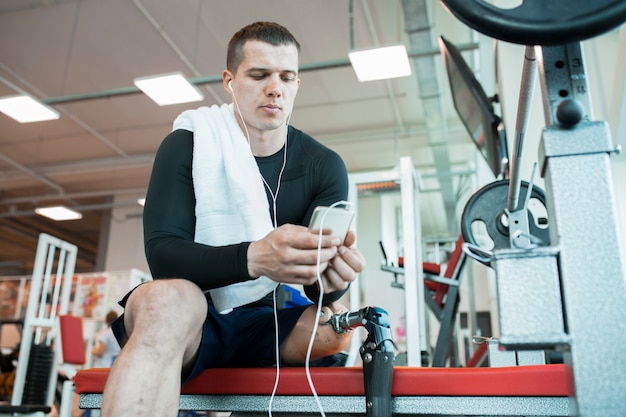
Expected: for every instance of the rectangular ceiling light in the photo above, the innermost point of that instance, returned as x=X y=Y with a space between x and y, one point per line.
x=59 y=213
x=381 y=63
x=26 y=109
x=169 y=89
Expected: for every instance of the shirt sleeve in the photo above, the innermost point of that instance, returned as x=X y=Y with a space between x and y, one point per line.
x=313 y=293
x=169 y=224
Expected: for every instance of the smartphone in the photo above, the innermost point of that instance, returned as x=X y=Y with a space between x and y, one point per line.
x=335 y=219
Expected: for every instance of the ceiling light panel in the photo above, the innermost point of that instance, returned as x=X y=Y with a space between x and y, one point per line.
x=26 y=109
x=169 y=89
x=380 y=63
x=59 y=213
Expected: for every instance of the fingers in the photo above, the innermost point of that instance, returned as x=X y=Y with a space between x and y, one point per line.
x=348 y=259
x=313 y=238
x=350 y=239
x=343 y=269
x=302 y=238
x=310 y=246
x=291 y=254
x=333 y=281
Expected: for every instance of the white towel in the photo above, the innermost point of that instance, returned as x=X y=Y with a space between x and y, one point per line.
x=231 y=205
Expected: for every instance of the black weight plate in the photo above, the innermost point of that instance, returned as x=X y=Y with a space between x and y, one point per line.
x=487 y=205
x=541 y=22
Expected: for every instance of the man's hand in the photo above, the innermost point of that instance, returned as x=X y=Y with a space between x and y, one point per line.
x=344 y=266
x=289 y=254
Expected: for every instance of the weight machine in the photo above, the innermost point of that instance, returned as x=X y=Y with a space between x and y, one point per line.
x=561 y=287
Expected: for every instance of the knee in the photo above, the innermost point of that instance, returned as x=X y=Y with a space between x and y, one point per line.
x=168 y=304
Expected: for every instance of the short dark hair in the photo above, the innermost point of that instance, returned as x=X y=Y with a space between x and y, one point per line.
x=110 y=317
x=268 y=32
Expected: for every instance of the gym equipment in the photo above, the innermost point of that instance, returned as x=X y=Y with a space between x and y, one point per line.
x=415 y=391
x=442 y=297
x=489 y=207
x=540 y=22
x=569 y=295
x=72 y=356
x=417 y=343
x=38 y=372
x=475 y=109
x=49 y=295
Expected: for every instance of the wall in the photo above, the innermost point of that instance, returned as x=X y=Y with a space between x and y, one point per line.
x=376 y=289
x=125 y=244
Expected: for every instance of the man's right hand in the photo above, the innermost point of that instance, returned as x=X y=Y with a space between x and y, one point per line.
x=289 y=254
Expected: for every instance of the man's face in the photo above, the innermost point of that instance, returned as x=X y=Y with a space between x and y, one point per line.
x=265 y=85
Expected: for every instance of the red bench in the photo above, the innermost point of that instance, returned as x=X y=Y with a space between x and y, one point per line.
x=519 y=390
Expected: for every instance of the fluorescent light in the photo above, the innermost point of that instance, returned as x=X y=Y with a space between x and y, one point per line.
x=381 y=63
x=141 y=201
x=168 y=89
x=59 y=213
x=26 y=109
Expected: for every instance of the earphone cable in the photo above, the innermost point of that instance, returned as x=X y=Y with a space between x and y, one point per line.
x=277 y=352
x=319 y=305
x=273 y=195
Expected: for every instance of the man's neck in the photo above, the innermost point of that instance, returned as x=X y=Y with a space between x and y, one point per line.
x=267 y=143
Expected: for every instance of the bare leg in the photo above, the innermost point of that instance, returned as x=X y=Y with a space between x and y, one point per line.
x=327 y=341
x=76 y=411
x=164 y=321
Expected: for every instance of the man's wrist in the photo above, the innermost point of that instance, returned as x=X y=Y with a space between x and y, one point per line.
x=251 y=270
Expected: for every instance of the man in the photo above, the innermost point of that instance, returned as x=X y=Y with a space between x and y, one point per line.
x=231 y=191
x=105 y=348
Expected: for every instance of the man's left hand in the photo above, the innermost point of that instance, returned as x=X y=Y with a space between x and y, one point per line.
x=344 y=266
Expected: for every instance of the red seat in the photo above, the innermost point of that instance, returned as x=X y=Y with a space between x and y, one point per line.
x=72 y=344
x=519 y=381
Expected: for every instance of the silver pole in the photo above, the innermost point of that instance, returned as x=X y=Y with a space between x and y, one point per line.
x=529 y=75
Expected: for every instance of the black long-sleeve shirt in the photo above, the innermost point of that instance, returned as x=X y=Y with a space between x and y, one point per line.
x=314 y=175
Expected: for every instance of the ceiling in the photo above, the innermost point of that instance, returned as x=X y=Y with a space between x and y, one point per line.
x=81 y=58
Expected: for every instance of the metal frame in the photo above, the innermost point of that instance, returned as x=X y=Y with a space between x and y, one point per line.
x=581 y=206
x=415 y=316
x=346 y=406
x=571 y=295
x=49 y=297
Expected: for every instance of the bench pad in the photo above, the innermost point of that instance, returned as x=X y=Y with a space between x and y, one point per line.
x=524 y=381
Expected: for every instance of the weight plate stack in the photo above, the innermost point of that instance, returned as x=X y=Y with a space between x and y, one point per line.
x=38 y=374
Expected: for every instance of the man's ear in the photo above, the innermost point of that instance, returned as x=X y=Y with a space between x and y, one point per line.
x=227 y=79
x=298 y=85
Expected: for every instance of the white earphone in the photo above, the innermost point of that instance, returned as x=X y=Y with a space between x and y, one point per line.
x=230 y=85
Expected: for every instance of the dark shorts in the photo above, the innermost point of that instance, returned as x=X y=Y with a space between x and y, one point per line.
x=243 y=338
